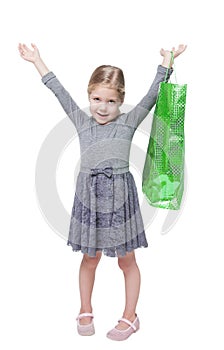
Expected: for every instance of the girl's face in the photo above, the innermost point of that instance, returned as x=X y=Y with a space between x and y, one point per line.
x=104 y=104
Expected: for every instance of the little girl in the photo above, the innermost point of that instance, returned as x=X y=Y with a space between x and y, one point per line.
x=105 y=215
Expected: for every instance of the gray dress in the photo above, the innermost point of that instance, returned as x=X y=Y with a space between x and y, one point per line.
x=106 y=214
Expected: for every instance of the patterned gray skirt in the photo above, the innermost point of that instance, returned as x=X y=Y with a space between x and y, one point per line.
x=106 y=214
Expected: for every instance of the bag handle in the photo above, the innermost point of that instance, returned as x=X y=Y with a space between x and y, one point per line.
x=171 y=61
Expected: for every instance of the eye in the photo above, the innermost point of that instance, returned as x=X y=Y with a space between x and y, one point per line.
x=112 y=102
x=96 y=99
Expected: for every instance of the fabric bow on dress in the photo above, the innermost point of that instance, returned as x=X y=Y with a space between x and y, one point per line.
x=106 y=171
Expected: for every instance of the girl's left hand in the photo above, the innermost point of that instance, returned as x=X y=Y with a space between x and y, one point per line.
x=167 y=54
x=181 y=48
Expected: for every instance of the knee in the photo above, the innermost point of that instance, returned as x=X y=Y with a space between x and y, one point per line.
x=126 y=262
x=91 y=262
x=122 y=264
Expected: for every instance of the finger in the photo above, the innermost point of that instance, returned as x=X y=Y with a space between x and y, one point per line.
x=21 y=51
x=20 y=47
x=181 y=47
x=25 y=48
x=22 y=54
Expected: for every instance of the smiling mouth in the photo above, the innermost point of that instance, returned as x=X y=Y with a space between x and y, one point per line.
x=102 y=115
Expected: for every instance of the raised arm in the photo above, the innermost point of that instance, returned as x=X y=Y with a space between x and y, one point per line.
x=77 y=116
x=138 y=114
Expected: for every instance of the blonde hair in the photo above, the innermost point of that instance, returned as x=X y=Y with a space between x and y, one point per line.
x=108 y=76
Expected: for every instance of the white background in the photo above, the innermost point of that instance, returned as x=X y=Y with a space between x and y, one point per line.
x=181 y=302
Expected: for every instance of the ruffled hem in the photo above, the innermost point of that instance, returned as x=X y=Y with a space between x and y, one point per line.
x=121 y=250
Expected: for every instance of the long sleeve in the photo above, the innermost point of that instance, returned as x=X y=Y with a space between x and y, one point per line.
x=77 y=116
x=138 y=113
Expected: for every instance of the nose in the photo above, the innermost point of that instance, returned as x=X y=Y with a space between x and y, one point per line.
x=103 y=107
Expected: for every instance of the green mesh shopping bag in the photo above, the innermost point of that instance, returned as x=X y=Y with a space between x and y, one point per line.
x=163 y=173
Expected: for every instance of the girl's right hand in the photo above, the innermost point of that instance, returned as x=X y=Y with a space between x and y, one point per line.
x=28 y=54
x=34 y=57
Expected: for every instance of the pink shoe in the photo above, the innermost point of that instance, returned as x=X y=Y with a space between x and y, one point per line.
x=87 y=329
x=117 y=334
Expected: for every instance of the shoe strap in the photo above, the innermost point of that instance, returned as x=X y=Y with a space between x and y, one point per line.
x=128 y=322
x=85 y=314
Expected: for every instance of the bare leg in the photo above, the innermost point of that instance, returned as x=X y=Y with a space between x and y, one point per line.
x=86 y=282
x=132 y=287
